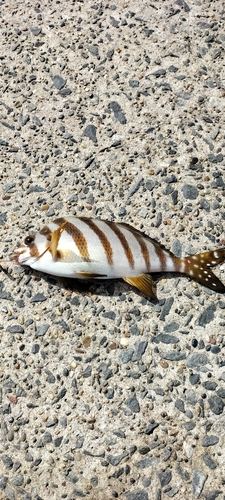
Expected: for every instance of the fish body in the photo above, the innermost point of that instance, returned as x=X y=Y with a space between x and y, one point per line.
x=86 y=249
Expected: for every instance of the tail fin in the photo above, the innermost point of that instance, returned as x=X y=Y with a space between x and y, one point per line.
x=199 y=267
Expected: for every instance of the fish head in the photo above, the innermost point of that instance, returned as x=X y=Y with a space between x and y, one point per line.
x=32 y=248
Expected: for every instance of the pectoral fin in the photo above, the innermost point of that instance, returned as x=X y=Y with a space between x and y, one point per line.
x=54 y=240
x=144 y=283
x=89 y=275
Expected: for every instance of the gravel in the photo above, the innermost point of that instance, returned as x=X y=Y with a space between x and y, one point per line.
x=112 y=110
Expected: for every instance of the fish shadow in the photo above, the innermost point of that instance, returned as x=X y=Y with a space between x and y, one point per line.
x=102 y=288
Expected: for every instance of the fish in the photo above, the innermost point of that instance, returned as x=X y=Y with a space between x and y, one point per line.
x=94 y=249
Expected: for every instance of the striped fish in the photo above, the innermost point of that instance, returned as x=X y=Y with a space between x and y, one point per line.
x=87 y=249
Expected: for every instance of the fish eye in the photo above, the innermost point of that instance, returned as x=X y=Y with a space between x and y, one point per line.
x=28 y=240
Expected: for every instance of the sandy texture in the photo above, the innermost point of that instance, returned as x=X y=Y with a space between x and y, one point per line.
x=112 y=110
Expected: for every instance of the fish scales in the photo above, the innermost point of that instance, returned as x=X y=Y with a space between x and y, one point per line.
x=122 y=250
x=112 y=248
x=86 y=248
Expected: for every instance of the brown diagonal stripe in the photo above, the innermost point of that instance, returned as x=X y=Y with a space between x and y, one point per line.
x=77 y=236
x=102 y=237
x=161 y=255
x=123 y=241
x=144 y=249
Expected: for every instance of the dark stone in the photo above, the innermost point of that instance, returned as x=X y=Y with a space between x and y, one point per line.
x=194 y=378
x=116 y=459
x=150 y=185
x=151 y=428
x=3 y=218
x=207 y=316
x=183 y=4
x=90 y=132
x=165 y=477
x=134 y=83
x=172 y=69
x=179 y=404
x=37 y=121
x=135 y=187
x=87 y=372
x=133 y=404
x=198 y=481
x=57 y=441
x=109 y=315
x=17 y=480
x=127 y=355
x=140 y=348
x=113 y=22
x=216 y=405
x=36 y=31
x=165 y=339
x=215 y=159
x=204 y=204
x=171 y=327
x=39 y=297
x=3 y=143
x=144 y=449
x=189 y=192
x=3 y=482
x=64 y=93
x=183 y=473
x=166 y=308
x=209 y=461
x=173 y=355
x=119 y=115
x=42 y=329
x=212 y=495
x=209 y=385
x=221 y=393
x=58 y=82
x=15 y=329
x=137 y=495
x=210 y=440
x=197 y=361
x=47 y=437
x=174 y=197
x=159 y=72
x=147 y=462
x=93 y=49
x=7 y=461
x=72 y=478
x=215 y=349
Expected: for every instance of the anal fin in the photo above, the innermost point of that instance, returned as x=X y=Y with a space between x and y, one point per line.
x=144 y=283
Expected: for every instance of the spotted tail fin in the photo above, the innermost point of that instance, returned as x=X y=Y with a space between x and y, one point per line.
x=199 y=267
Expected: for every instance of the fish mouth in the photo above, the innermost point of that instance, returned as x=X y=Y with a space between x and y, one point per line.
x=16 y=255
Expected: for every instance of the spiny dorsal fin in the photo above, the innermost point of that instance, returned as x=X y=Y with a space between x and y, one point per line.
x=145 y=236
x=144 y=283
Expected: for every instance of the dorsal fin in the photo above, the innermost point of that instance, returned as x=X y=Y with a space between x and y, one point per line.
x=145 y=236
